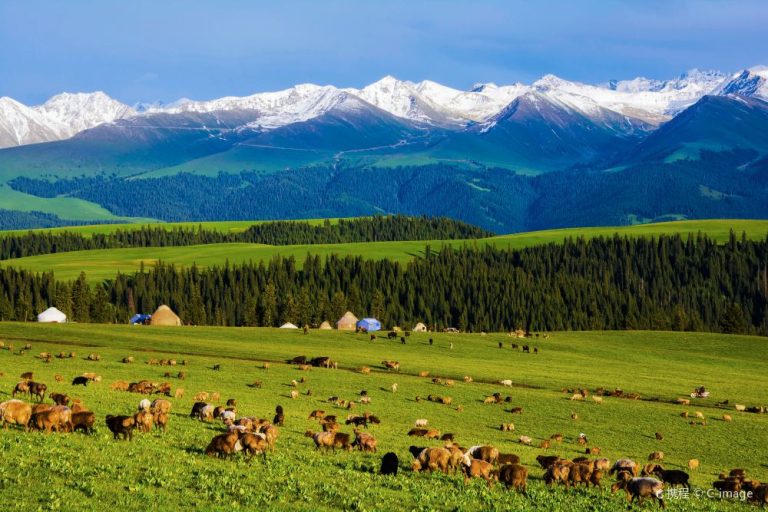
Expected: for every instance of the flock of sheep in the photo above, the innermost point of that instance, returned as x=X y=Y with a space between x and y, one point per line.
x=256 y=436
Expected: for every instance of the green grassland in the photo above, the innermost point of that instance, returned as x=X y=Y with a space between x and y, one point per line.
x=103 y=264
x=169 y=471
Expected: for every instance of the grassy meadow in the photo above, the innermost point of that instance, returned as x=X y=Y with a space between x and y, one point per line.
x=170 y=471
x=103 y=264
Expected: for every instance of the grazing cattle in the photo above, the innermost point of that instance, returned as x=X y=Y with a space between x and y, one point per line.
x=121 y=426
x=389 y=464
x=15 y=412
x=37 y=389
x=80 y=381
x=83 y=420
x=641 y=488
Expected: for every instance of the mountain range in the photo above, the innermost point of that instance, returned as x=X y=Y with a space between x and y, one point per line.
x=544 y=142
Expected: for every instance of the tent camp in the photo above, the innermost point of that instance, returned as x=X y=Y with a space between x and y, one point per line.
x=347 y=323
x=420 y=327
x=369 y=324
x=140 y=319
x=325 y=326
x=289 y=325
x=52 y=315
x=164 y=316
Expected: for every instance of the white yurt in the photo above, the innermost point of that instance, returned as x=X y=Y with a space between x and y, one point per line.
x=325 y=326
x=289 y=325
x=420 y=327
x=52 y=316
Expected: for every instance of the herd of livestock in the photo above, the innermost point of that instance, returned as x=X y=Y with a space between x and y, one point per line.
x=257 y=436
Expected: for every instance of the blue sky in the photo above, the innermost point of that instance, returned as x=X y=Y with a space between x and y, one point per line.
x=166 y=49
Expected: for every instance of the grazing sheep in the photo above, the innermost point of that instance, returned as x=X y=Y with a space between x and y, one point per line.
x=365 y=442
x=421 y=423
x=684 y=414
x=525 y=440
x=394 y=387
x=574 y=416
x=508 y=458
x=294 y=394
x=672 y=477
x=506 y=382
x=516 y=410
x=417 y=432
x=627 y=465
x=740 y=407
x=59 y=399
x=432 y=459
x=593 y=451
x=597 y=399
x=389 y=464
x=476 y=468
x=558 y=472
x=727 y=418
x=558 y=438
x=222 y=445
x=683 y=401
x=391 y=365
x=179 y=393
x=144 y=420
x=22 y=388
x=83 y=420
x=656 y=456
x=659 y=436
x=448 y=436
x=699 y=415
x=486 y=452
x=423 y=373
x=507 y=427
x=317 y=414
x=15 y=412
x=545 y=444
x=693 y=464
x=641 y=488
x=546 y=461
x=467 y=378
x=432 y=434
x=121 y=425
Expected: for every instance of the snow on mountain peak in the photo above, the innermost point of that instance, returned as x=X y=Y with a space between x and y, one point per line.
x=75 y=112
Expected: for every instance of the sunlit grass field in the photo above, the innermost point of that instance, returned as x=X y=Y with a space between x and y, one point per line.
x=170 y=471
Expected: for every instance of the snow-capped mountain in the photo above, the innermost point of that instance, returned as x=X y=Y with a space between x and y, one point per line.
x=752 y=82
x=20 y=124
x=60 y=117
x=637 y=104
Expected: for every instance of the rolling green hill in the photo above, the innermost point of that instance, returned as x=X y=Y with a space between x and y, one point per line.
x=103 y=264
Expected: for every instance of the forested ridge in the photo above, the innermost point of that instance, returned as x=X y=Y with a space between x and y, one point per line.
x=365 y=229
x=670 y=282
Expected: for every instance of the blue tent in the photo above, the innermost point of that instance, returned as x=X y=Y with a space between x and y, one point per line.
x=369 y=324
x=140 y=319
